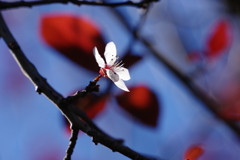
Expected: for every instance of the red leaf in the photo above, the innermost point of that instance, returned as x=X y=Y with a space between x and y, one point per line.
x=141 y=103
x=129 y=60
x=193 y=152
x=230 y=112
x=219 y=39
x=229 y=98
x=74 y=37
x=91 y=104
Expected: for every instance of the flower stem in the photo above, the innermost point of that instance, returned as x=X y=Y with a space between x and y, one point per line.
x=97 y=78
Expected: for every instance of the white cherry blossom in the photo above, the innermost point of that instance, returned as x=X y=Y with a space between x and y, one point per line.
x=112 y=68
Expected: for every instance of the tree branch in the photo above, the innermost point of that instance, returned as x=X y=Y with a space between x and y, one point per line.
x=72 y=143
x=9 y=5
x=43 y=87
x=92 y=87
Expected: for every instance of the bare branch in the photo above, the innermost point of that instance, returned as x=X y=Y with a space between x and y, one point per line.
x=43 y=87
x=92 y=87
x=73 y=140
x=9 y=5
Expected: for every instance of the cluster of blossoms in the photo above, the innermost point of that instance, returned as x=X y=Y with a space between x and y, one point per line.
x=112 y=69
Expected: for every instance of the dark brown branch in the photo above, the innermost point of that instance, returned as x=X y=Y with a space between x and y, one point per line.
x=72 y=143
x=85 y=118
x=9 y=5
x=92 y=87
x=44 y=88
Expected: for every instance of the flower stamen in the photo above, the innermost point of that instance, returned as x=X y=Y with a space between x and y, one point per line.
x=116 y=64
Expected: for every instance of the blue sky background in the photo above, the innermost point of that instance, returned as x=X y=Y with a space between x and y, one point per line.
x=32 y=127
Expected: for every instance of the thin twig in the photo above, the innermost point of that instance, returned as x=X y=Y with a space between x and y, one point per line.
x=43 y=87
x=9 y=5
x=92 y=87
x=72 y=143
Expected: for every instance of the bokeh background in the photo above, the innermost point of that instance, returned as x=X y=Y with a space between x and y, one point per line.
x=183 y=57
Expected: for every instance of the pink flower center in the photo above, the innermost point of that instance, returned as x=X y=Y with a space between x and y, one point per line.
x=103 y=70
x=107 y=66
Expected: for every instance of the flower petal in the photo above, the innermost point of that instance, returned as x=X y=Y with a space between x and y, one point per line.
x=117 y=81
x=112 y=75
x=121 y=85
x=98 y=58
x=123 y=73
x=110 y=53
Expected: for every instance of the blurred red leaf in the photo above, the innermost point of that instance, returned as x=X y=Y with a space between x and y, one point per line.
x=219 y=39
x=193 y=152
x=141 y=103
x=74 y=37
x=229 y=98
x=230 y=112
x=91 y=104
x=129 y=60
